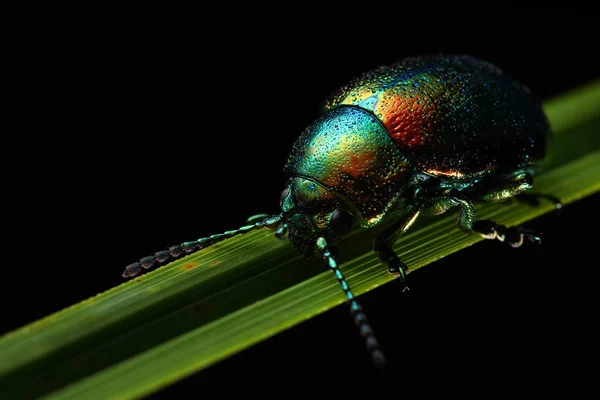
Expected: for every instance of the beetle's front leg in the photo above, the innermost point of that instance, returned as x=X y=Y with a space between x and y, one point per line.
x=384 y=242
x=431 y=203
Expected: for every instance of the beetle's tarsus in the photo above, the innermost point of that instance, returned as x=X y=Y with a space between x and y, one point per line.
x=513 y=236
x=397 y=267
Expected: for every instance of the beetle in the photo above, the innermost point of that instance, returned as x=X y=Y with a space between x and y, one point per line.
x=419 y=137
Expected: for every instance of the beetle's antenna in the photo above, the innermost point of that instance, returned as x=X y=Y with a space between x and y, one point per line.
x=359 y=317
x=185 y=248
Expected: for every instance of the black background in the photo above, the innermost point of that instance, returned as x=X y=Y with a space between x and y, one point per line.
x=162 y=129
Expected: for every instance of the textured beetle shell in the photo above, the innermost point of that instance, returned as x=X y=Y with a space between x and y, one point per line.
x=349 y=152
x=452 y=116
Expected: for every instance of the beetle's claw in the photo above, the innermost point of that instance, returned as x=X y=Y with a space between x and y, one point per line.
x=515 y=236
x=515 y=241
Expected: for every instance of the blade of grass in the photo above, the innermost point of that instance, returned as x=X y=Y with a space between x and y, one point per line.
x=206 y=345
x=187 y=315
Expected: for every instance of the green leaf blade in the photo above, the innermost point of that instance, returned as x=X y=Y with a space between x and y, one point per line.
x=207 y=345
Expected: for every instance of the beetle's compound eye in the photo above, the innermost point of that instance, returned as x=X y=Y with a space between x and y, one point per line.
x=341 y=221
x=284 y=194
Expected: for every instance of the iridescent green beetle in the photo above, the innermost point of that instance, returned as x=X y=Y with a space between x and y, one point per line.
x=419 y=137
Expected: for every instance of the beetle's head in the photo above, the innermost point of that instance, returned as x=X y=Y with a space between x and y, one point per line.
x=312 y=211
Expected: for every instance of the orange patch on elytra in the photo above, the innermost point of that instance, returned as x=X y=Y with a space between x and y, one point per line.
x=213 y=263
x=406 y=119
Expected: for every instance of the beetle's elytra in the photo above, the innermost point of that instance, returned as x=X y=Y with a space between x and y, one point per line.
x=420 y=137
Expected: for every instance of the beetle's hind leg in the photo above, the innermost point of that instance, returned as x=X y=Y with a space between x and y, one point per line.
x=509 y=188
x=514 y=188
x=514 y=236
